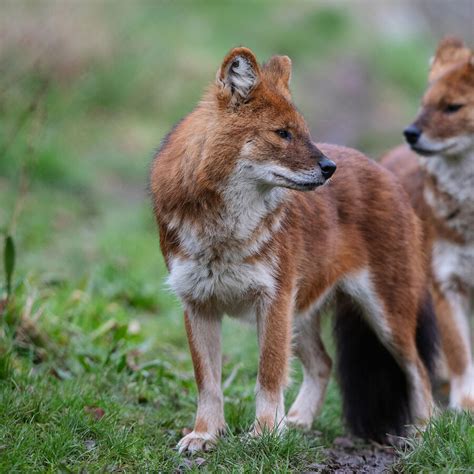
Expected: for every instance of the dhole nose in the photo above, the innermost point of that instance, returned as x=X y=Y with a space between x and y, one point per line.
x=412 y=134
x=327 y=167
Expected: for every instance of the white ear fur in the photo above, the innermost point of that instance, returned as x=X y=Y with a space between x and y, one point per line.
x=240 y=77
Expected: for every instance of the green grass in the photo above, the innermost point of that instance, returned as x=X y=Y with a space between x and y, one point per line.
x=447 y=445
x=76 y=352
x=95 y=373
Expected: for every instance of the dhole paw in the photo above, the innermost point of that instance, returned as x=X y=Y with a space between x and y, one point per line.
x=259 y=427
x=194 y=442
x=416 y=430
x=296 y=420
x=467 y=403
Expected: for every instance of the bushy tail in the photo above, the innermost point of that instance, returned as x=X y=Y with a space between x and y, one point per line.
x=374 y=387
x=427 y=335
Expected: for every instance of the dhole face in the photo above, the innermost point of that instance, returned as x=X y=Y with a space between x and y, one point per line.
x=274 y=140
x=445 y=123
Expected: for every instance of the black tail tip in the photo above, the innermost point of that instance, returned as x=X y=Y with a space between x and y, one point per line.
x=375 y=389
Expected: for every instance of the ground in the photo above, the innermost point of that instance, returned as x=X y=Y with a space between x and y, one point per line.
x=95 y=374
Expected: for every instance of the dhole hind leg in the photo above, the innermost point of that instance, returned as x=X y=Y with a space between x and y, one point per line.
x=403 y=348
x=317 y=364
x=204 y=337
x=452 y=309
x=421 y=400
x=405 y=352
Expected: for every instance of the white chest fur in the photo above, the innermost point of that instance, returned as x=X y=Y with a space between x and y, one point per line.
x=453 y=262
x=216 y=266
x=455 y=201
x=228 y=284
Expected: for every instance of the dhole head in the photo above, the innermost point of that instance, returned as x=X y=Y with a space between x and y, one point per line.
x=445 y=122
x=272 y=142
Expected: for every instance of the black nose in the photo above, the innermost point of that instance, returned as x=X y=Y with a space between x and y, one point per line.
x=412 y=134
x=327 y=167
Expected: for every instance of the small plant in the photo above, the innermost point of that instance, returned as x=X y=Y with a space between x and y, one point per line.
x=9 y=263
x=8 y=267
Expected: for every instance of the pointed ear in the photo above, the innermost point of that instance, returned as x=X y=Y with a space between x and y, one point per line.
x=238 y=75
x=450 y=51
x=278 y=70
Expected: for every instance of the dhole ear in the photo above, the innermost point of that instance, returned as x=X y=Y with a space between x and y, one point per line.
x=450 y=51
x=238 y=75
x=278 y=69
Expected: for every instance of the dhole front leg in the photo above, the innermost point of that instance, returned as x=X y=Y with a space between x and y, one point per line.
x=274 y=335
x=204 y=337
x=452 y=309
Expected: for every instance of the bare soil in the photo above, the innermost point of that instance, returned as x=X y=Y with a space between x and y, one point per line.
x=348 y=456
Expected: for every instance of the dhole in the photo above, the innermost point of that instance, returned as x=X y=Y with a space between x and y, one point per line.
x=440 y=183
x=252 y=225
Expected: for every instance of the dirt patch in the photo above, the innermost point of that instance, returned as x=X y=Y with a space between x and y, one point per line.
x=350 y=456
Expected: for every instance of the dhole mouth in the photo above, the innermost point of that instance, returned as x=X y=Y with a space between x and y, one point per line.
x=430 y=151
x=299 y=185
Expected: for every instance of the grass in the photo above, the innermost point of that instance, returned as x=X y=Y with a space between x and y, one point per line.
x=447 y=445
x=95 y=373
x=79 y=385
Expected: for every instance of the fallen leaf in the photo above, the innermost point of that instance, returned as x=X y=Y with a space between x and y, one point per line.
x=96 y=412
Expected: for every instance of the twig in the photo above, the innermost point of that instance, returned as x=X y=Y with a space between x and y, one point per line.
x=231 y=377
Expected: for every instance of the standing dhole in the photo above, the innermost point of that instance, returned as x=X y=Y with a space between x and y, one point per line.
x=439 y=177
x=252 y=224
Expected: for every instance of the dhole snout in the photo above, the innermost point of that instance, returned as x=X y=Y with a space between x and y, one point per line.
x=445 y=123
x=322 y=170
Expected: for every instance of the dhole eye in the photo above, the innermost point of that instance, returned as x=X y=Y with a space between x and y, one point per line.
x=282 y=133
x=451 y=108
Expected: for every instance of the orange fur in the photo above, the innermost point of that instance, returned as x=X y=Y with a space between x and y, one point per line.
x=240 y=237
x=441 y=188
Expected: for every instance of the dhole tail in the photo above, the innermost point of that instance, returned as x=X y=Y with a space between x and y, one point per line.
x=374 y=388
